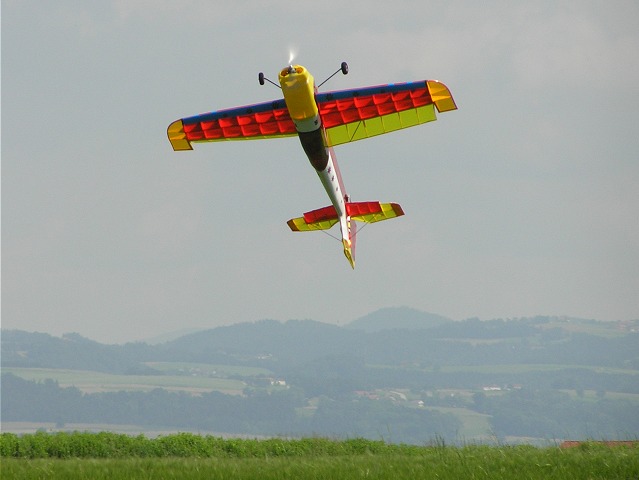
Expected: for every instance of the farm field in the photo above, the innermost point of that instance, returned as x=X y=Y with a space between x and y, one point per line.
x=532 y=368
x=185 y=456
x=182 y=368
x=91 y=382
x=22 y=428
x=522 y=368
x=592 y=396
x=475 y=426
x=603 y=329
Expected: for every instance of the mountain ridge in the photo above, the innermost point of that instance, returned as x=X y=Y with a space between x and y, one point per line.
x=277 y=345
x=390 y=318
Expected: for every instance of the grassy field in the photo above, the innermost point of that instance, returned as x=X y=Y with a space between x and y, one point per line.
x=209 y=369
x=199 y=377
x=591 y=327
x=23 y=428
x=592 y=395
x=175 y=376
x=513 y=368
x=475 y=426
x=91 y=382
x=186 y=456
x=527 y=368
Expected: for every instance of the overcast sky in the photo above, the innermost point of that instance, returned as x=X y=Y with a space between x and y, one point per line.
x=523 y=202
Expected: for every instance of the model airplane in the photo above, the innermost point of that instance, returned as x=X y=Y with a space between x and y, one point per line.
x=321 y=121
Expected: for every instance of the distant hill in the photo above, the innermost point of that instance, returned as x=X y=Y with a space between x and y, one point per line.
x=71 y=351
x=392 y=336
x=264 y=340
x=170 y=336
x=397 y=318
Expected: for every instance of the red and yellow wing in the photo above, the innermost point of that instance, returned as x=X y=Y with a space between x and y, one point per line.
x=351 y=115
x=347 y=115
x=262 y=120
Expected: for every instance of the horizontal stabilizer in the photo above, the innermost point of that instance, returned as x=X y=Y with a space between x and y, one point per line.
x=320 y=219
x=324 y=218
x=371 y=212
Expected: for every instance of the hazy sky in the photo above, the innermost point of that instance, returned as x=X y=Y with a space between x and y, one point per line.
x=525 y=201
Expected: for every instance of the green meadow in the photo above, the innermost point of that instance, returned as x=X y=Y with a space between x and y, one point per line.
x=91 y=382
x=188 y=456
x=214 y=370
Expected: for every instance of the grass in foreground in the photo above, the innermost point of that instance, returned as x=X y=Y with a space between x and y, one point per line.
x=186 y=456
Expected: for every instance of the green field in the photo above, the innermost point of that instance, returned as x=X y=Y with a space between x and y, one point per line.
x=209 y=369
x=91 y=382
x=590 y=327
x=475 y=426
x=186 y=456
x=535 y=368
x=527 y=368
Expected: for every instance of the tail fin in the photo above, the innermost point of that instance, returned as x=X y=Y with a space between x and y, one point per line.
x=349 y=243
x=320 y=219
x=325 y=218
x=371 y=212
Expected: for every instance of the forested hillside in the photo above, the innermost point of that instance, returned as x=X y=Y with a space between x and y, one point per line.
x=540 y=340
x=540 y=377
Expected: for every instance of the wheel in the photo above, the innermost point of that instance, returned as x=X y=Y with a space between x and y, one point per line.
x=260 y=78
x=344 y=68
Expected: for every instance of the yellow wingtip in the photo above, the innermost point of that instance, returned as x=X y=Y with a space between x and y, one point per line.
x=177 y=137
x=441 y=96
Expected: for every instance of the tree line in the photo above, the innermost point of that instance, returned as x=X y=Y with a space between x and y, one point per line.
x=257 y=413
x=523 y=413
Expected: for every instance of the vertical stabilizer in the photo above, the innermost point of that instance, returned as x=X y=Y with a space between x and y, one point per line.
x=349 y=230
x=348 y=252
